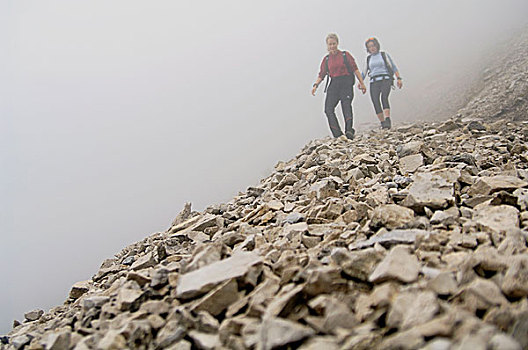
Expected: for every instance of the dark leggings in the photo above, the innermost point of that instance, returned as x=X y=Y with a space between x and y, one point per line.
x=340 y=89
x=383 y=88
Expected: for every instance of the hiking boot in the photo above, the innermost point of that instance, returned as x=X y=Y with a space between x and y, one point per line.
x=350 y=134
x=386 y=124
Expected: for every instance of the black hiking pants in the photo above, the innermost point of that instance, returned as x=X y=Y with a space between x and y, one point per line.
x=380 y=88
x=341 y=89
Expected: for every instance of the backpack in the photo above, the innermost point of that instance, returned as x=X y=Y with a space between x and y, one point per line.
x=349 y=69
x=388 y=66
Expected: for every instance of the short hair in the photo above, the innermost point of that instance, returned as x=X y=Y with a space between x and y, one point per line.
x=373 y=40
x=332 y=36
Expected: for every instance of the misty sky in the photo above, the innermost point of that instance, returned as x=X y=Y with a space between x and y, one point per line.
x=113 y=114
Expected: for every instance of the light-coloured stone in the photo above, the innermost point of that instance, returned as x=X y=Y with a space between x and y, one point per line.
x=112 y=340
x=391 y=216
x=497 y=218
x=172 y=332
x=205 y=341
x=319 y=343
x=409 y=148
x=397 y=265
x=438 y=344
x=515 y=283
x=480 y=294
x=144 y=262
x=206 y=278
x=94 y=301
x=489 y=184
x=157 y=307
x=504 y=342
x=79 y=289
x=284 y=301
x=277 y=332
x=219 y=299
x=410 y=163
x=181 y=345
x=471 y=342
x=128 y=298
x=446 y=217
x=358 y=264
x=443 y=284
x=432 y=189
x=203 y=257
x=391 y=238
x=323 y=189
x=33 y=315
x=411 y=309
x=58 y=341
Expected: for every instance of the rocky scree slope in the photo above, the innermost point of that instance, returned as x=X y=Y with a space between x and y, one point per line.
x=413 y=238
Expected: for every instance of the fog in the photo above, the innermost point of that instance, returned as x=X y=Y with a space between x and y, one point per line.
x=116 y=113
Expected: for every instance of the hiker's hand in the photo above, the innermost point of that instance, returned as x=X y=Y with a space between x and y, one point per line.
x=399 y=83
x=362 y=88
x=314 y=89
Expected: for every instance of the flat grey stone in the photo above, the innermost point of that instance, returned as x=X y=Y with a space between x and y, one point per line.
x=34 y=315
x=489 y=184
x=94 y=301
x=391 y=238
x=397 y=265
x=58 y=341
x=144 y=262
x=515 y=282
x=206 y=278
x=438 y=344
x=277 y=332
x=409 y=164
x=411 y=309
x=391 y=216
x=443 y=284
x=409 y=148
x=357 y=264
x=294 y=218
x=19 y=341
x=496 y=218
x=218 y=299
x=432 y=189
x=128 y=298
x=205 y=341
x=79 y=289
x=112 y=340
x=504 y=342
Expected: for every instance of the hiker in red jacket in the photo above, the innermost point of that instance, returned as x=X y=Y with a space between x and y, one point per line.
x=341 y=67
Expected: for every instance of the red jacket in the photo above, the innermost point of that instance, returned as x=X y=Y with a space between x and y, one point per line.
x=336 y=65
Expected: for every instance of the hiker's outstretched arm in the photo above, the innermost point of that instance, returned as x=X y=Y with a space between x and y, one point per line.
x=399 y=80
x=361 y=86
x=316 y=85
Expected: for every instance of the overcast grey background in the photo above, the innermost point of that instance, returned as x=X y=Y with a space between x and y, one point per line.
x=115 y=113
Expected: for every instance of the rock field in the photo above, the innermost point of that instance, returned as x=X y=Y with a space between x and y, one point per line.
x=412 y=238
